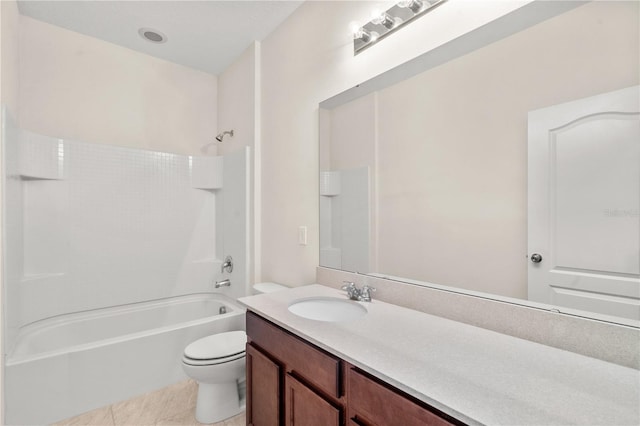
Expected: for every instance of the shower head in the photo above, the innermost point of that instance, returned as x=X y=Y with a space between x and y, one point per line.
x=221 y=135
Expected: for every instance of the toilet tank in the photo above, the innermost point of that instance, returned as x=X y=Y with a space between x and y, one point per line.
x=268 y=287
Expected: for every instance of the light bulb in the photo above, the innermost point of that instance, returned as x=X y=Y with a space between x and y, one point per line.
x=383 y=19
x=414 y=5
x=362 y=34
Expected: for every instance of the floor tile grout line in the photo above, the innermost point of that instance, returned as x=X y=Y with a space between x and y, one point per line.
x=113 y=418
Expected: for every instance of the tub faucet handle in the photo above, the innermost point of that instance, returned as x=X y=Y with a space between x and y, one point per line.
x=227 y=264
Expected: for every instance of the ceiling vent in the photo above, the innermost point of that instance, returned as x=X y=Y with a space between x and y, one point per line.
x=153 y=36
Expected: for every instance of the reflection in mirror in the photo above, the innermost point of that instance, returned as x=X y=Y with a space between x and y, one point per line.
x=528 y=146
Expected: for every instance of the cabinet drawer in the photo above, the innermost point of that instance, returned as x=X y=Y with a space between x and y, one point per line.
x=370 y=402
x=317 y=367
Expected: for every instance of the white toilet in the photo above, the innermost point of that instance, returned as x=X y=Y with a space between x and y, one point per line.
x=217 y=363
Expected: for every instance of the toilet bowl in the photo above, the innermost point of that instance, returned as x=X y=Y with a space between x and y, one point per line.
x=217 y=363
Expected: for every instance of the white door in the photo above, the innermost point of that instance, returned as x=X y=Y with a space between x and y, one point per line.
x=584 y=204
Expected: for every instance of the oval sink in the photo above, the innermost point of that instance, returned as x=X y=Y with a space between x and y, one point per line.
x=327 y=309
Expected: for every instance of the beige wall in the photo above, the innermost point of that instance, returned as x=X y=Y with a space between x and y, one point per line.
x=238 y=97
x=9 y=60
x=10 y=19
x=307 y=59
x=77 y=87
x=353 y=133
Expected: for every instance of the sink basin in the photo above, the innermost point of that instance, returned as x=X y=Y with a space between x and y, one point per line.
x=327 y=309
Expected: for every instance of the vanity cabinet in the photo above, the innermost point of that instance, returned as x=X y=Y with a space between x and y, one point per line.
x=292 y=382
x=301 y=381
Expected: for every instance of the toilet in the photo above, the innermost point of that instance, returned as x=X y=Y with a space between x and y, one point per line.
x=217 y=363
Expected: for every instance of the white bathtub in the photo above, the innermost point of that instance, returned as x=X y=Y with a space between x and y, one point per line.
x=66 y=365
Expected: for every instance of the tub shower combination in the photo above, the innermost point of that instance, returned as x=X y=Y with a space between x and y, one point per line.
x=111 y=257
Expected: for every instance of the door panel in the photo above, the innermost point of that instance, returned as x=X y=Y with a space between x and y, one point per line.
x=263 y=389
x=306 y=408
x=584 y=204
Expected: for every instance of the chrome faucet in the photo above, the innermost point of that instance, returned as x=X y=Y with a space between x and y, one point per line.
x=355 y=293
x=352 y=291
x=223 y=283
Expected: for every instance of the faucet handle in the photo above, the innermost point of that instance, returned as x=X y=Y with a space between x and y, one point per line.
x=347 y=285
x=227 y=265
x=365 y=293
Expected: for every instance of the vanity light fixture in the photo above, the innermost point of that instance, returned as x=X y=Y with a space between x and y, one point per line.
x=384 y=23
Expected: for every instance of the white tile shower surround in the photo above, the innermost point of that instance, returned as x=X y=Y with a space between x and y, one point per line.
x=96 y=221
x=609 y=342
x=173 y=405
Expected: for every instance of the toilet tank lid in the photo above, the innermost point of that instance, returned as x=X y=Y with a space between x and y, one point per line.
x=268 y=287
x=221 y=345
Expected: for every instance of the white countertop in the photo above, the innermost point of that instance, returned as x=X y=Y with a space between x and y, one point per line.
x=475 y=375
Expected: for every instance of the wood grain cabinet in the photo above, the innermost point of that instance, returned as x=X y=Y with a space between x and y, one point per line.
x=291 y=382
x=305 y=407
x=263 y=389
x=376 y=403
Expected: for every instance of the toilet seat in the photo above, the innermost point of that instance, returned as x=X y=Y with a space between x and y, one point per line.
x=216 y=349
x=205 y=362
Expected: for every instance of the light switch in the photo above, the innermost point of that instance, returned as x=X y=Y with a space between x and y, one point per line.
x=302 y=235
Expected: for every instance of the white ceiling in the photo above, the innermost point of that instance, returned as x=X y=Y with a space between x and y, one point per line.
x=205 y=35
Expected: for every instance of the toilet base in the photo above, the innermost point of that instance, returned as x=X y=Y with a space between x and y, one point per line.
x=217 y=402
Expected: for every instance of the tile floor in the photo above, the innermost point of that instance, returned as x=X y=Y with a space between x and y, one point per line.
x=173 y=405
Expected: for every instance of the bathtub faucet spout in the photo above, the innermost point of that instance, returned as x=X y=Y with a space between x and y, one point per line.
x=223 y=283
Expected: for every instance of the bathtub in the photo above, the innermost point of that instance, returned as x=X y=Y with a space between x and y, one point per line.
x=66 y=365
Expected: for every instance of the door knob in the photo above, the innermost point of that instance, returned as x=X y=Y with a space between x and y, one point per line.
x=536 y=258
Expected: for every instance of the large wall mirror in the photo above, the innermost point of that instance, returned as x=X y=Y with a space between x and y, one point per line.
x=505 y=163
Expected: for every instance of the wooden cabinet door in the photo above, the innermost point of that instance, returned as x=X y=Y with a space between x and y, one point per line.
x=263 y=389
x=303 y=407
